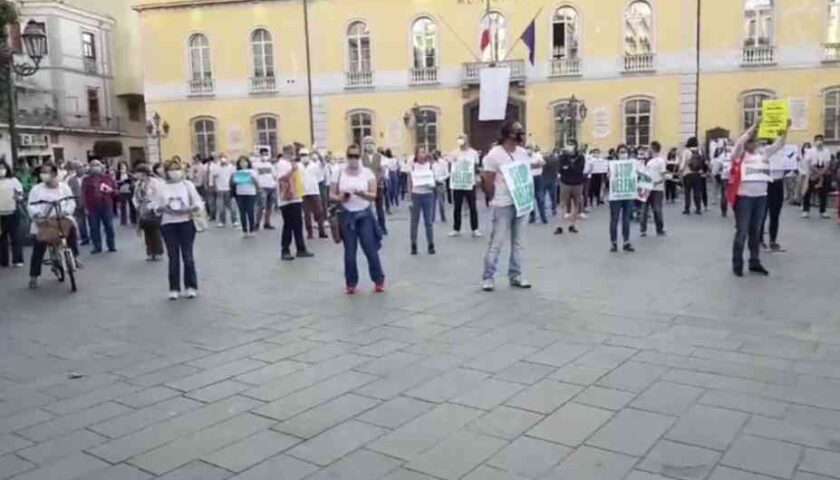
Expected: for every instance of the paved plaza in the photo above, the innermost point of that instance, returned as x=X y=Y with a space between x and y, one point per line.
x=648 y=366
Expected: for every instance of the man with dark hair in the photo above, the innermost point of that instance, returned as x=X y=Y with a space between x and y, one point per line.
x=692 y=168
x=655 y=168
x=98 y=192
x=818 y=159
x=572 y=178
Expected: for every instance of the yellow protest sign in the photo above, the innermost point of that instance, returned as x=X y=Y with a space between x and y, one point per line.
x=774 y=117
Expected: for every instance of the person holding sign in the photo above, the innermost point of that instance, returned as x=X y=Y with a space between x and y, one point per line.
x=508 y=183
x=421 y=184
x=623 y=177
x=747 y=191
x=463 y=162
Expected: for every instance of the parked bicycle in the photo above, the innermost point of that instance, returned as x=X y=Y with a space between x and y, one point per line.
x=54 y=228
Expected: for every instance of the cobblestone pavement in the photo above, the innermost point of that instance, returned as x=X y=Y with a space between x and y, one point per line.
x=642 y=366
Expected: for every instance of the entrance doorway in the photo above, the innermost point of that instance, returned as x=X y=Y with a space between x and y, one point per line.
x=484 y=134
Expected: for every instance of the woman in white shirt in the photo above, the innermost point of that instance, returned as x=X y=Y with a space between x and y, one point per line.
x=244 y=185
x=354 y=187
x=11 y=192
x=50 y=189
x=421 y=183
x=176 y=201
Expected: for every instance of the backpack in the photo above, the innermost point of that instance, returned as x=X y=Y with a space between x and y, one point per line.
x=696 y=163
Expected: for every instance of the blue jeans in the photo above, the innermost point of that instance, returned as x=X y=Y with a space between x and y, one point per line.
x=506 y=225
x=425 y=203
x=549 y=186
x=359 y=228
x=440 y=201
x=98 y=218
x=394 y=187
x=749 y=216
x=623 y=208
x=539 y=195
x=224 y=203
x=179 y=239
x=246 y=205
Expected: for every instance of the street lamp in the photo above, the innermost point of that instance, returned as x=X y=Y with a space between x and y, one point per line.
x=157 y=131
x=35 y=45
x=571 y=113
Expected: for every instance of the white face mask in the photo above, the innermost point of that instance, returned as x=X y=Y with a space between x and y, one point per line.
x=3 y=172
x=818 y=144
x=353 y=162
x=175 y=175
x=224 y=160
x=46 y=177
x=622 y=156
x=461 y=142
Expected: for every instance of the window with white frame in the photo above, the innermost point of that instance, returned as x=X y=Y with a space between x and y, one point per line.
x=832 y=34
x=88 y=46
x=493 y=37
x=424 y=42
x=265 y=132
x=562 y=125
x=564 y=34
x=638 y=121
x=200 y=68
x=358 y=47
x=831 y=115
x=758 y=23
x=638 y=28
x=751 y=106
x=204 y=137
x=361 y=126
x=426 y=129
x=262 y=49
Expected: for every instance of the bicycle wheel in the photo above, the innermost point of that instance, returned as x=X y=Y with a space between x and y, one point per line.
x=70 y=263
x=56 y=264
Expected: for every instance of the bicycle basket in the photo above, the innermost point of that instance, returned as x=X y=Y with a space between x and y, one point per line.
x=48 y=230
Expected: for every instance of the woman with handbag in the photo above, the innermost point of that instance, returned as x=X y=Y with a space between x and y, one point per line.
x=149 y=221
x=354 y=188
x=178 y=202
x=11 y=194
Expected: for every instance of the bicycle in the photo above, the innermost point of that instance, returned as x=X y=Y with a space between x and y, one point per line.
x=54 y=231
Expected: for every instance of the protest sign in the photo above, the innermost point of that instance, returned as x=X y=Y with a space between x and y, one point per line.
x=774 y=118
x=463 y=174
x=644 y=185
x=623 y=180
x=520 y=183
x=422 y=176
x=755 y=172
x=599 y=165
x=786 y=158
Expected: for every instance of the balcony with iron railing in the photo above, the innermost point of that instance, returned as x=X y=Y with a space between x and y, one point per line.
x=360 y=79
x=263 y=84
x=423 y=76
x=639 y=62
x=472 y=70
x=202 y=87
x=831 y=52
x=758 y=55
x=565 y=67
x=52 y=119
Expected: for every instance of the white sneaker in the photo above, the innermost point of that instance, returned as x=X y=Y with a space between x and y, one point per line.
x=220 y=225
x=17 y=265
x=477 y=234
x=173 y=295
x=488 y=285
x=567 y=216
x=806 y=215
x=191 y=293
x=583 y=216
x=453 y=233
x=235 y=225
x=824 y=215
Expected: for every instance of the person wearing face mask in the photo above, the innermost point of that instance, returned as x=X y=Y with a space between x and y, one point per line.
x=50 y=189
x=537 y=164
x=125 y=186
x=148 y=219
x=464 y=159
x=440 y=167
x=507 y=226
x=176 y=201
x=290 y=200
x=312 y=172
x=373 y=160
x=99 y=191
x=210 y=165
x=747 y=192
x=267 y=179
x=393 y=172
x=819 y=180
x=224 y=199
x=672 y=166
x=11 y=193
x=244 y=187
x=622 y=209
x=572 y=178
x=551 y=179
x=655 y=169
x=692 y=168
x=421 y=184
x=354 y=188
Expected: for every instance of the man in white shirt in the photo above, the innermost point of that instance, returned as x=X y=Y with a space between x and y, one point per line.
x=312 y=173
x=290 y=201
x=817 y=160
x=655 y=168
x=537 y=164
x=210 y=166
x=221 y=175
x=440 y=168
x=463 y=159
x=267 y=181
x=506 y=224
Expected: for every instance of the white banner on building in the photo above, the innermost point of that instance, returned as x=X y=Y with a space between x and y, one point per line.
x=798 y=113
x=601 y=123
x=236 y=140
x=495 y=87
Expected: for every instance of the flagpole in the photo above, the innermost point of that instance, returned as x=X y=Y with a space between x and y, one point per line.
x=519 y=39
x=467 y=47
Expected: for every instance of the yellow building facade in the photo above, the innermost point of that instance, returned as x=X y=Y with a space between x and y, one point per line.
x=230 y=75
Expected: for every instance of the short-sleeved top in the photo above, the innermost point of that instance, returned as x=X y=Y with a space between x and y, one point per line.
x=656 y=170
x=351 y=183
x=266 y=175
x=283 y=168
x=10 y=188
x=495 y=159
x=245 y=182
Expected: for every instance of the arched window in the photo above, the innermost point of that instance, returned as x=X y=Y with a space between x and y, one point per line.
x=360 y=123
x=565 y=34
x=427 y=129
x=638 y=121
x=424 y=42
x=831 y=115
x=265 y=132
x=204 y=136
x=262 y=50
x=638 y=28
x=751 y=106
x=358 y=47
x=200 y=67
x=758 y=23
x=493 y=36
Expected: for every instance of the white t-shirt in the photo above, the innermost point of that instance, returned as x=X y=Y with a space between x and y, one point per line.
x=537 y=164
x=493 y=162
x=815 y=158
x=753 y=188
x=420 y=169
x=283 y=168
x=441 y=169
x=354 y=183
x=245 y=182
x=179 y=196
x=42 y=192
x=656 y=170
x=266 y=174
x=221 y=176
x=9 y=189
x=389 y=164
x=312 y=174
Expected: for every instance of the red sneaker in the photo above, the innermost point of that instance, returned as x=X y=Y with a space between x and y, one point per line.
x=379 y=288
x=350 y=290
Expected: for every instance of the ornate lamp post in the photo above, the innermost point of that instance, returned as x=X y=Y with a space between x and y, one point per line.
x=421 y=120
x=35 y=45
x=572 y=113
x=157 y=131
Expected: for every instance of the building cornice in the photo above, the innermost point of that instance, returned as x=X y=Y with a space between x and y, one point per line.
x=171 y=4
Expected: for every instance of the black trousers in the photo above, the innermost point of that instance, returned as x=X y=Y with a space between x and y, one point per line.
x=595 y=186
x=292 y=214
x=10 y=238
x=179 y=239
x=775 y=201
x=469 y=196
x=380 y=209
x=39 y=250
x=704 y=191
x=693 y=190
x=670 y=191
x=821 y=190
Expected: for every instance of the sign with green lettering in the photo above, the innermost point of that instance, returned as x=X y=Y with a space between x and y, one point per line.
x=623 y=180
x=520 y=183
